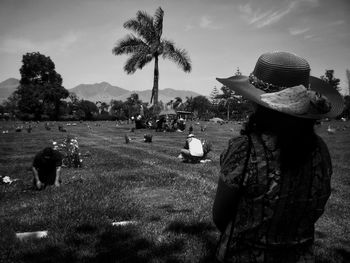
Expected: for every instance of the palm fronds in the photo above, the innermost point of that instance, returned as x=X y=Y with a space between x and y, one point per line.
x=158 y=21
x=179 y=56
x=137 y=61
x=130 y=44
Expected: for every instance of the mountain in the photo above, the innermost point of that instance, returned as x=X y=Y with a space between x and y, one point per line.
x=103 y=92
x=7 y=87
x=98 y=92
x=106 y=92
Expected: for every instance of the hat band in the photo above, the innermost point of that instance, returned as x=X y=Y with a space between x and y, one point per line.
x=262 y=85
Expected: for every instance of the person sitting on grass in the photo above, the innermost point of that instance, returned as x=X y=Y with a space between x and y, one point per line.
x=193 y=149
x=46 y=168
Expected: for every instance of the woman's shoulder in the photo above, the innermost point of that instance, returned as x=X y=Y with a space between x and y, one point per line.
x=232 y=159
x=236 y=146
x=238 y=143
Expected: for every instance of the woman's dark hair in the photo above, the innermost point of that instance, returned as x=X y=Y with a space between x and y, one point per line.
x=296 y=137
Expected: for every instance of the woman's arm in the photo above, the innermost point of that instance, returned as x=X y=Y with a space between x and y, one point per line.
x=37 y=182
x=224 y=206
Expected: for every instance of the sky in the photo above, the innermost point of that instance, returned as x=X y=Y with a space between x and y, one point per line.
x=219 y=36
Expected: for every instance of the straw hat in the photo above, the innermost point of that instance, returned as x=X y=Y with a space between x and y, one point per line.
x=281 y=81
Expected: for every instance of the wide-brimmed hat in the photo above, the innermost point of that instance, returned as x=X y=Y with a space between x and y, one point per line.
x=191 y=135
x=281 y=81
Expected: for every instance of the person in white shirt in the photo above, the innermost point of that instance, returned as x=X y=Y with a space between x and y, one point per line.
x=193 y=149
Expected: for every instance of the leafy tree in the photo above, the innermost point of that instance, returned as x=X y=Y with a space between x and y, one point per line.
x=40 y=88
x=227 y=98
x=88 y=108
x=11 y=104
x=133 y=104
x=329 y=78
x=73 y=103
x=201 y=105
x=188 y=104
x=102 y=106
x=118 y=109
x=149 y=45
x=346 y=111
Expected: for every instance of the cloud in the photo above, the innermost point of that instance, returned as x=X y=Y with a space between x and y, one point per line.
x=206 y=22
x=261 y=19
x=189 y=27
x=13 y=45
x=337 y=23
x=308 y=36
x=298 y=31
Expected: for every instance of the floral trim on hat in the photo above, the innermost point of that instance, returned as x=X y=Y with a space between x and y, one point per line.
x=319 y=102
x=264 y=86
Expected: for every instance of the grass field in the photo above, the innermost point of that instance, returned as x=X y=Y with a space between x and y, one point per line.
x=170 y=201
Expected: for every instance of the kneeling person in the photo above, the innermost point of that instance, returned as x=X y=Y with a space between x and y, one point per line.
x=193 y=150
x=46 y=168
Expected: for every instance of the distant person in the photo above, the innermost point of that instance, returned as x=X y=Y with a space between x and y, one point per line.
x=181 y=125
x=193 y=149
x=275 y=178
x=190 y=129
x=161 y=124
x=47 y=168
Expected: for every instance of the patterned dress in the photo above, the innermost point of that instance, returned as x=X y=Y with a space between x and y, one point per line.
x=276 y=212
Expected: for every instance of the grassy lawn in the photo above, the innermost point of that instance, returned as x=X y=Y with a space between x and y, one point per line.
x=170 y=201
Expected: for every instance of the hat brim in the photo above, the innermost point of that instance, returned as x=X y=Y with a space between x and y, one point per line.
x=241 y=85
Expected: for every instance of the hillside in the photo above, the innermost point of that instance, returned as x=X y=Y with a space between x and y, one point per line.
x=106 y=92
x=103 y=92
x=98 y=92
x=7 y=87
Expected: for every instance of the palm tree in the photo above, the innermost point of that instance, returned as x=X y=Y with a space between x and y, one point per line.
x=149 y=45
x=177 y=102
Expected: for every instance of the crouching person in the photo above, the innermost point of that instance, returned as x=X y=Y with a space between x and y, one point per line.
x=46 y=168
x=193 y=149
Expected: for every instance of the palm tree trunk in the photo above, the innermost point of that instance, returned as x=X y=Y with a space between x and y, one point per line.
x=155 y=81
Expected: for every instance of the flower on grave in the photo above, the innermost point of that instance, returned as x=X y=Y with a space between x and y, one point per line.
x=69 y=148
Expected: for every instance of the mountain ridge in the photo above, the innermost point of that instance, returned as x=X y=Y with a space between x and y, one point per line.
x=104 y=91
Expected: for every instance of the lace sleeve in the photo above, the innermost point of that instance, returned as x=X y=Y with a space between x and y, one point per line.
x=232 y=161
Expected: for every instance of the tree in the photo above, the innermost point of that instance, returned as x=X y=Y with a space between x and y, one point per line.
x=201 y=105
x=330 y=79
x=102 y=106
x=188 y=104
x=88 y=108
x=213 y=96
x=40 y=88
x=149 y=45
x=177 y=102
x=227 y=98
x=133 y=104
x=11 y=104
x=346 y=111
x=119 y=109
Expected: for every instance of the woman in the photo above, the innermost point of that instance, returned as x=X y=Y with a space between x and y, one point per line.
x=275 y=178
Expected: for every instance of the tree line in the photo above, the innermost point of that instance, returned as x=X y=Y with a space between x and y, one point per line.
x=41 y=96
